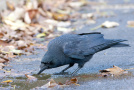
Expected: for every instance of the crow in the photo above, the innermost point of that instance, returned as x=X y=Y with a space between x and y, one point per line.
x=69 y=49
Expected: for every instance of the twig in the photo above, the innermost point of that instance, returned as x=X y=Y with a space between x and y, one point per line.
x=97 y=27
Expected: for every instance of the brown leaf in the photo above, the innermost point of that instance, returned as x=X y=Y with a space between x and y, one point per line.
x=60 y=83
x=2 y=60
x=52 y=83
x=130 y=23
x=4 y=43
x=72 y=81
x=1 y=35
x=112 y=71
x=32 y=13
x=10 y=5
x=60 y=17
x=31 y=78
x=21 y=44
x=7 y=81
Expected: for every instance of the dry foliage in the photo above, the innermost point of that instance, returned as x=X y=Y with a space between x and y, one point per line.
x=7 y=81
x=31 y=78
x=52 y=84
x=115 y=71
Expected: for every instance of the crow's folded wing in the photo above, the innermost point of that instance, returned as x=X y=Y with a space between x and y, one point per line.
x=85 y=46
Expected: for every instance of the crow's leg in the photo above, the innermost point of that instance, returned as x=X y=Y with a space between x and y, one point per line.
x=79 y=67
x=63 y=71
x=76 y=71
x=70 y=65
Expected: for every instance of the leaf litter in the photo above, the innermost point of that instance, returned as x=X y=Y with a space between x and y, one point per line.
x=23 y=22
x=115 y=71
x=52 y=84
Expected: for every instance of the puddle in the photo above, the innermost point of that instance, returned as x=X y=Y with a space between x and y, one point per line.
x=21 y=83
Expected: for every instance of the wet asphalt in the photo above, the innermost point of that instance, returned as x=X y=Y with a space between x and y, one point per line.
x=119 y=56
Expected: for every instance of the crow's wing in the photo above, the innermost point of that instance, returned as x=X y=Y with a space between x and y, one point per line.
x=86 y=45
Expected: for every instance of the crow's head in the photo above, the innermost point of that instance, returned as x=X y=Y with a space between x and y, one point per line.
x=46 y=63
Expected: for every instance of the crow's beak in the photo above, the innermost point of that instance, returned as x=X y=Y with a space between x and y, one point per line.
x=41 y=70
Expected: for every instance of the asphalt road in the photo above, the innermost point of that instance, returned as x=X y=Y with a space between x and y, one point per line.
x=119 y=56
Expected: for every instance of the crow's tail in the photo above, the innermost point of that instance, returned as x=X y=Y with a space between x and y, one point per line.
x=108 y=43
x=117 y=43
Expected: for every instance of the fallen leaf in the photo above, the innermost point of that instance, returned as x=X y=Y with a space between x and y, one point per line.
x=42 y=12
x=41 y=35
x=5 y=58
x=15 y=15
x=10 y=5
x=130 y=23
x=2 y=60
x=18 y=52
x=27 y=18
x=4 y=43
x=72 y=81
x=65 y=30
x=21 y=44
x=78 y=3
x=31 y=4
x=60 y=83
x=60 y=17
x=88 y=15
x=50 y=84
x=112 y=71
x=108 y=24
x=6 y=49
x=18 y=24
x=32 y=13
x=31 y=78
x=1 y=35
x=7 y=81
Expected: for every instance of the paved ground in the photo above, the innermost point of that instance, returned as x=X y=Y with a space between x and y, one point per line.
x=122 y=57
